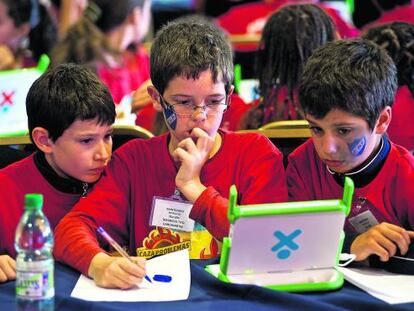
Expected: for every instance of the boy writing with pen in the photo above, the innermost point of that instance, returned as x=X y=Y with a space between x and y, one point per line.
x=190 y=169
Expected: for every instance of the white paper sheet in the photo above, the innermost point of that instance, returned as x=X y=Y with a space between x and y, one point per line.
x=176 y=265
x=390 y=287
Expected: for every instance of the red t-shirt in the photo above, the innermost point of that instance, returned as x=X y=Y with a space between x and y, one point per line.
x=233 y=116
x=389 y=196
x=127 y=77
x=141 y=169
x=398 y=14
x=401 y=128
x=18 y=179
x=146 y=118
x=250 y=18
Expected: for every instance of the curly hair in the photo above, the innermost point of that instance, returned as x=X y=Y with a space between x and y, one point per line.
x=86 y=41
x=398 y=39
x=289 y=38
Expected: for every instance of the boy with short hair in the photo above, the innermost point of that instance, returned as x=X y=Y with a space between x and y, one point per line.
x=346 y=91
x=192 y=71
x=70 y=113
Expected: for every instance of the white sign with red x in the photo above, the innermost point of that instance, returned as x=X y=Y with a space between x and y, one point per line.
x=14 y=86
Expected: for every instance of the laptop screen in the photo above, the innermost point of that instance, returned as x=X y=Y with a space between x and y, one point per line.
x=284 y=237
x=285 y=242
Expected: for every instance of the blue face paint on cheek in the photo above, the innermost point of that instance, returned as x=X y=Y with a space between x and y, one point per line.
x=170 y=117
x=357 y=147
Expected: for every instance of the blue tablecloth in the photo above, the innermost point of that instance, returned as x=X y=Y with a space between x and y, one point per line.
x=208 y=293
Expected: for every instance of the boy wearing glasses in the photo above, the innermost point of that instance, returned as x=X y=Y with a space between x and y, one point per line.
x=183 y=176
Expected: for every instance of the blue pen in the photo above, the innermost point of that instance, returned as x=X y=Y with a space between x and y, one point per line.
x=117 y=247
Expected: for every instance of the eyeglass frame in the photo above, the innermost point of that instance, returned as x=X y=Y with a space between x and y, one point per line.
x=164 y=103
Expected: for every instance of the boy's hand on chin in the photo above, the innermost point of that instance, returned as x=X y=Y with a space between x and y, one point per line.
x=192 y=153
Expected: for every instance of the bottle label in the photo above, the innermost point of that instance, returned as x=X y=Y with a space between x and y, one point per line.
x=34 y=280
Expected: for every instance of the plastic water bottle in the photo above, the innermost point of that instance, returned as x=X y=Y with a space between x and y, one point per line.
x=34 y=264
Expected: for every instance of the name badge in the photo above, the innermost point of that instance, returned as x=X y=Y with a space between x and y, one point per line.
x=172 y=214
x=363 y=221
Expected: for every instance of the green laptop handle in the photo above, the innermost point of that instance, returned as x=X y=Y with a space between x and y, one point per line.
x=43 y=63
x=235 y=211
x=232 y=205
x=348 y=193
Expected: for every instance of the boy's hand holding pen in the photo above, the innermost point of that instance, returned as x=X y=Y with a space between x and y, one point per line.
x=117 y=247
x=116 y=272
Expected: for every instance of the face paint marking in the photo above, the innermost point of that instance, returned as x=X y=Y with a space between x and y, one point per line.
x=170 y=117
x=357 y=147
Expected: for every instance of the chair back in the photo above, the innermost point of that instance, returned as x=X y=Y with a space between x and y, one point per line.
x=123 y=133
x=286 y=124
x=285 y=137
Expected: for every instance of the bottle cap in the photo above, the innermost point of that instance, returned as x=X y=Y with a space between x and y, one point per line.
x=33 y=201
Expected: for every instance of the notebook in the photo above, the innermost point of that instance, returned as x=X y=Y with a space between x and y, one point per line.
x=14 y=86
x=292 y=246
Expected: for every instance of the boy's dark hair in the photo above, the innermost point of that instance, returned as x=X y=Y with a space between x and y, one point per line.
x=43 y=32
x=85 y=41
x=355 y=76
x=398 y=39
x=111 y=13
x=19 y=10
x=64 y=94
x=188 y=49
x=289 y=37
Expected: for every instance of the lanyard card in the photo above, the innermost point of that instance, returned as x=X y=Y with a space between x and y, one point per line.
x=171 y=213
x=363 y=221
x=361 y=217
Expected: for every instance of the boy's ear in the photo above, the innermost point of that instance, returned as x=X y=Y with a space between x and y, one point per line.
x=41 y=139
x=155 y=98
x=383 y=121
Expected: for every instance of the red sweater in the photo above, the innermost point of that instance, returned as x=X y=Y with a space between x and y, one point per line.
x=233 y=116
x=401 y=129
x=404 y=13
x=390 y=195
x=16 y=180
x=127 y=77
x=250 y=18
x=141 y=169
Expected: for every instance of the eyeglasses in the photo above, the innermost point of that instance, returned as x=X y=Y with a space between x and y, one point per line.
x=187 y=110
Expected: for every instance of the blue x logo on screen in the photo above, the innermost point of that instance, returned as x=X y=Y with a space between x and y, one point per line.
x=286 y=245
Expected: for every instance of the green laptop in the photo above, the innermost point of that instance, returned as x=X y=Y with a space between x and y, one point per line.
x=292 y=246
